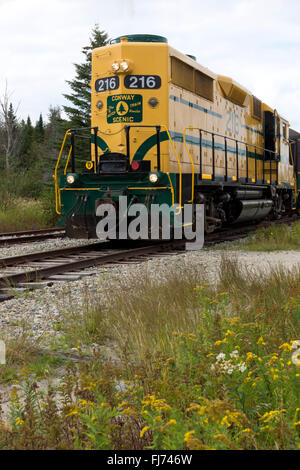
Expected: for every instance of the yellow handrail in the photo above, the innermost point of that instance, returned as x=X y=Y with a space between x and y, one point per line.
x=295 y=177
x=57 y=192
x=68 y=159
x=190 y=157
x=180 y=169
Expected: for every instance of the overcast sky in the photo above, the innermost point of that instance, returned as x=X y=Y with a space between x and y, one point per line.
x=256 y=42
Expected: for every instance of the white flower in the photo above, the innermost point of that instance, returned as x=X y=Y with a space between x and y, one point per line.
x=220 y=357
x=234 y=353
x=242 y=367
x=230 y=370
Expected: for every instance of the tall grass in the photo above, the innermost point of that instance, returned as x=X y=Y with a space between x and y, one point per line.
x=23 y=214
x=25 y=202
x=201 y=365
x=272 y=238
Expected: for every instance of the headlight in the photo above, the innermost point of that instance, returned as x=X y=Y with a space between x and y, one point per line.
x=153 y=178
x=99 y=104
x=115 y=67
x=124 y=66
x=70 y=179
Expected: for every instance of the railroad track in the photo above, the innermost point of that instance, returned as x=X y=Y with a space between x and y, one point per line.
x=12 y=238
x=36 y=270
x=67 y=264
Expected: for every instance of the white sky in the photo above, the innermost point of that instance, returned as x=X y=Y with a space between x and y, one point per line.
x=256 y=42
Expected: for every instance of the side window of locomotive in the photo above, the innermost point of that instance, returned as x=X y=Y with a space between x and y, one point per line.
x=144 y=82
x=185 y=76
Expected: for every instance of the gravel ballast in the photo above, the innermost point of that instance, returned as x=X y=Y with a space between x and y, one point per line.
x=42 y=308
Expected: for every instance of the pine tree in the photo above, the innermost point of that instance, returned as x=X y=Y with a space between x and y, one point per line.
x=79 y=111
x=39 y=130
x=26 y=158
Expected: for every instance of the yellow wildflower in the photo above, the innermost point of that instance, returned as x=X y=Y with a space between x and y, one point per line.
x=225 y=421
x=188 y=435
x=286 y=347
x=261 y=341
x=229 y=333
x=269 y=415
x=145 y=428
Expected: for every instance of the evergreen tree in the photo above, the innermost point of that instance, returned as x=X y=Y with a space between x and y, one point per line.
x=79 y=111
x=39 y=131
x=27 y=132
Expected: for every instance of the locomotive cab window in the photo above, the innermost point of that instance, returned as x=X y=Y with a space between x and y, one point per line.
x=185 y=76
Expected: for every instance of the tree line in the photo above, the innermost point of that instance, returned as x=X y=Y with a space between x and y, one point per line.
x=31 y=147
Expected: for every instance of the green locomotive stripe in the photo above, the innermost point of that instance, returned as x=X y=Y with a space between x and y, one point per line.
x=252 y=130
x=148 y=144
x=178 y=137
x=100 y=142
x=208 y=111
x=195 y=106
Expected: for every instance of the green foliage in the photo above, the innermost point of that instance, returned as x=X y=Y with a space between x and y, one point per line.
x=79 y=110
x=275 y=237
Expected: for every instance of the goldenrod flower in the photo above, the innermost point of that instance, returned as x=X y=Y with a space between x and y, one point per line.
x=261 y=341
x=225 y=421
x=286 y=347
x=188 y=435
x=229 y=333
x=145 y=428
x=219 y=436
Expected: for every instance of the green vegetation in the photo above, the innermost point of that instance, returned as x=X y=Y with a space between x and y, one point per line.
x=79 y=110
x=275 y=237
x=199 y=366
x=28 y=151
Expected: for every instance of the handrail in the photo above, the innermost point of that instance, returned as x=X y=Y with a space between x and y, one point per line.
x=246 y=144
x=295 y=177
x=192 y=162
x=180 y=169
x=68 y=159
x=158 y=128
x=57 y=192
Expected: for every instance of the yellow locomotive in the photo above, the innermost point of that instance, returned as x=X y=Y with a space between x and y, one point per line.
x=165 y=129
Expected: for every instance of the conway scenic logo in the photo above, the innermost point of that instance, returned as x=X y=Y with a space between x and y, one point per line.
x=161 y=222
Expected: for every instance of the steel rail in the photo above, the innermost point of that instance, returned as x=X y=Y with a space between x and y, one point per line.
x=37 y=275
x=12 y=238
